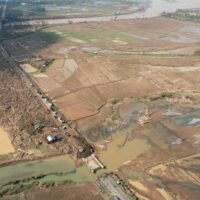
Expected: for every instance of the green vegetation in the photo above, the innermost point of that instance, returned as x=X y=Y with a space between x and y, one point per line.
x=14 y=15
x=59 y=168
x=191 y=98
x=97 y=35
x=38 y=11
x=197 y=53
x=162 y=95
x=47 y=36
x=49 y=172
x=115 y=101
x=187 y=15
x=34 y=169
x=166 y=95
x=29 y=9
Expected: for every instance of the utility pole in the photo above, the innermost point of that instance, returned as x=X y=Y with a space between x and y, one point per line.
x=3 y=15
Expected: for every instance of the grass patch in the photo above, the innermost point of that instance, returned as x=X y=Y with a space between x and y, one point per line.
x=94 y=35
x=34 y=169
x=186 y=15
x=166 y=95
x=197 y=53
x=162 y=95
x=48 y=36
x=47 y=173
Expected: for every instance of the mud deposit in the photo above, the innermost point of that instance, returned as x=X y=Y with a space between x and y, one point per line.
x=5 y=143
x=118 y=154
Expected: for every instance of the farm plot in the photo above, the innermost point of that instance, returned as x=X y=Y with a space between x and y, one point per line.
x=80 y=82
x=17 y=51
x=168 y=142
x=144 y=105
x=27 y=48
x=71 y=192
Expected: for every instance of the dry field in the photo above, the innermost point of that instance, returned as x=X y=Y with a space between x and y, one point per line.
x=176 y=179
x=85 y=191
x=107 y=77
x=173 y=133
x=73 y=192
x=97 y=63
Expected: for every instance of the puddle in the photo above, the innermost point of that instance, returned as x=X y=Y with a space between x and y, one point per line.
x=5 y=143
x=189 y=119
x=194 y=121
x=172 y=113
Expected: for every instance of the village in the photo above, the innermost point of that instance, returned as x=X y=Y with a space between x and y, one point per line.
x=99 y=103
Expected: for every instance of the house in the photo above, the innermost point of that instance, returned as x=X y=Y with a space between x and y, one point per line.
x=55 y=114
x=52 y=139
x=61 y=119
x=38 y=127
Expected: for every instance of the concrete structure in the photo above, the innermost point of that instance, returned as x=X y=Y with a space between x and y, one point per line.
x=93 y=163
x=50 y=139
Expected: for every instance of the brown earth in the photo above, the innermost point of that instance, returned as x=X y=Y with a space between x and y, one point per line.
x=71 y=192
x=20 y=112
x=152 y=67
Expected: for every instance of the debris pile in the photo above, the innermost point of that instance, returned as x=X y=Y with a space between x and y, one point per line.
x=180 y=100
x=144 y=118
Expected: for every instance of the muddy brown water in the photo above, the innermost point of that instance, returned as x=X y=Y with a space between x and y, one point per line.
x=117 y=154
x=5 y=143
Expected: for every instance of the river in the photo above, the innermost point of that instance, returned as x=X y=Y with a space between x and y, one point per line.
x=155 y=8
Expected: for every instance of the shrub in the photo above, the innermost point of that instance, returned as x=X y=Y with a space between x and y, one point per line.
x=166 y=95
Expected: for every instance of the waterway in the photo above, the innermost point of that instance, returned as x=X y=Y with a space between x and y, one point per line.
x=154 y=8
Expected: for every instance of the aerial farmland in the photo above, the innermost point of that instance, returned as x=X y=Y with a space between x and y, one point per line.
x=100 y=100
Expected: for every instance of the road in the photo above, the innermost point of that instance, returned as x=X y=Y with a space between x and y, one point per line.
x=4 y=10
x=114 y=188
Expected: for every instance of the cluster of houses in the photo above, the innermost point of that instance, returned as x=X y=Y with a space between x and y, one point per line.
x=53 y=110
x=80 y=147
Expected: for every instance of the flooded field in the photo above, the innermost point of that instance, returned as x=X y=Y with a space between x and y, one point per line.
x=117 y=154
x=5 y=143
